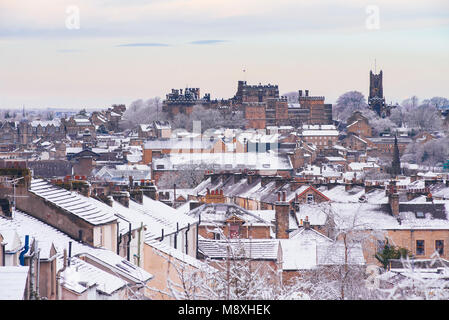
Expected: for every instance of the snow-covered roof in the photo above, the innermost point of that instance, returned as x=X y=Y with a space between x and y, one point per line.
x=56 y=122
x=227 y=161
x=309 y=133
x=377 y=216
x=177 y=254
x=80 y=276
x=122 y=173
x=13 y=281
x=180 y=144
x=217 y=213
x=93 y=211
x=335 y=159
x=11 y=240
x=358 y=166
x=156 y=216
x=258 y=249
x=308 y=249
x=46 y=236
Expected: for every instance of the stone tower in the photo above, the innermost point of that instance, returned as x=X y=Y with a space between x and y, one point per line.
x=376 y=100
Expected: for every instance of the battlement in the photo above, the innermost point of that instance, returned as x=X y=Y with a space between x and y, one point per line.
x=317 y=98
x=244 y=85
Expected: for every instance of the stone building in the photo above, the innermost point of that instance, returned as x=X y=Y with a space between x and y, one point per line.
x=376 y=98
x=359 y=125
x=255 y=93
x=179 y=102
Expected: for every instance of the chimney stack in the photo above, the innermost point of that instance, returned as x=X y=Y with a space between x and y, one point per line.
x=122 y=197
x=393 y=199
x=307 y=223
x=307 y=93
x=282 y=216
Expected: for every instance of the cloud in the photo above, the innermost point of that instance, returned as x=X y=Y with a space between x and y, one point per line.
x=144 y=44
x=201 y=42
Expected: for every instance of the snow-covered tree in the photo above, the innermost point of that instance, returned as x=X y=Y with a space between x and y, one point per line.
x=185 y=176
x=143 y=112
x=292 y=97
x=412 y=282
x=235 y=277
x=347 y=103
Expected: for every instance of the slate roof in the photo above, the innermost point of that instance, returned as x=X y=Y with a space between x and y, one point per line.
x=227 y=161
x=46 y=236
x=219 y=212
x=80 y=276
x=93 y=211
x=256 y=249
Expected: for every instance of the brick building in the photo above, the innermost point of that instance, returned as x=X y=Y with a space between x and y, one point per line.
x=179 y=102
x=319 y=112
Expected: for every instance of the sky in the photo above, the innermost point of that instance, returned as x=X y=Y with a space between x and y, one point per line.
x=94 y=53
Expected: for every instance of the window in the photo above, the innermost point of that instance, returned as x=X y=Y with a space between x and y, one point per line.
x=420 y=247
x=439 y=247
x=420 y=215
x=310 y=198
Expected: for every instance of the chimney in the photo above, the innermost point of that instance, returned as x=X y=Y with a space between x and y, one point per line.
x=307 y=223
x=279 y=181
x=281 y=216
x=150 y=191
x=429 y=197
x=393 y=198
x=300 y=93
x=122 y=197
x=307 y=93
x=237 y=177
x=6 y=208
x=194 y=204
x=136 y=195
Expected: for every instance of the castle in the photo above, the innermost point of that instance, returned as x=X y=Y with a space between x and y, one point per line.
x=261 y=104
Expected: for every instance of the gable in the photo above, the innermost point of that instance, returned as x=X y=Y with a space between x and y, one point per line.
x=235 y=219
x=317 y=193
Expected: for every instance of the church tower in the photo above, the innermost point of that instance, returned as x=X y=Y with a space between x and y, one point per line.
x=376 y=100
